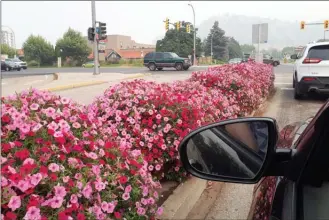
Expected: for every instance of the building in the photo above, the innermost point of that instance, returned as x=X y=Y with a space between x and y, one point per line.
x=121 y=46
x=7 y=37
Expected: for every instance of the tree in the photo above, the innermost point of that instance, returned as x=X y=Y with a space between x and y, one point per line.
x=219 y=43
x=38 y=49
x=234 y=49
x=288 y=50
x=247 y=48
x=6 y=49
x=74 y=46
x=179 y=42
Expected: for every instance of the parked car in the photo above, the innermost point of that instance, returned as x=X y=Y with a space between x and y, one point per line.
x=89 y=64
x=291 y=172
x=235 y=61
x=311 y=70
x=269 y=60
x=160 y=60
x=19 y=63
x=9 y=65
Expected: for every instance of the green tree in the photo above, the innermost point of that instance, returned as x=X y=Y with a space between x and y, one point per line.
x=288 y=50
x=38 y=49
x=6 y=49
x=247 y=48
x=179 y=42
x=219 y=43
x=234 y=49
x=74 y=46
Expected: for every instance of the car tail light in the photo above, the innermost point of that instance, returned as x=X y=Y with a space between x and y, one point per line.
x=312 y=60
x=308 y=79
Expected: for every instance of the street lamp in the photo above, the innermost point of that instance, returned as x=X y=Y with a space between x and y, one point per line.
x=194 y=58
x=211 y=54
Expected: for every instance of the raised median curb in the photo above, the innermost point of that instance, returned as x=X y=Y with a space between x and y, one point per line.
x=183 y=202
x=89 y=83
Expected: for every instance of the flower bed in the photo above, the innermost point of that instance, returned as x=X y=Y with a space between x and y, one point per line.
x=155 y=117
x=63 y=160
x=56 y=164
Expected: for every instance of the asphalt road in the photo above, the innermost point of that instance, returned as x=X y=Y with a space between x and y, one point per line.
x=105 y=70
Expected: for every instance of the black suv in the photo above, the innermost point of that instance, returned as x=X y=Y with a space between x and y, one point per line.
x=159 y=60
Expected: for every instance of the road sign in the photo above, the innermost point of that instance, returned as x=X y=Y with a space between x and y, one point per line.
x=260 y=33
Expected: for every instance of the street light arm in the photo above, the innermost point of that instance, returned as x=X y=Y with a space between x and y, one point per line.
x=194 y=35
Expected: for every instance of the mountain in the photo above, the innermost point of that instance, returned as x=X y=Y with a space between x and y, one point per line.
x=280 y=33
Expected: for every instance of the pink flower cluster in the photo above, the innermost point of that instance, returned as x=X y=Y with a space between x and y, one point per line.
x=63 y=160
x=154 y=118
x=55 y=163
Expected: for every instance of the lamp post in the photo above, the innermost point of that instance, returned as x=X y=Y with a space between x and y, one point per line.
x=211 y=54
x=194 y=58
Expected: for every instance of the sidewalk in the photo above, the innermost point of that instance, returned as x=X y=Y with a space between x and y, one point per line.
x=65 y=81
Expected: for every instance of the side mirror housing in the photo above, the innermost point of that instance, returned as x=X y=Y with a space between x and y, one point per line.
x=294 y=57
x=238 y=150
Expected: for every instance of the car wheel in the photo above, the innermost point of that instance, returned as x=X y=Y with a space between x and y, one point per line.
x=297 y=95
x=293 y=82
x=152 y=67
x=179 y=66
x=19 y=69
x=24 y=68
x=160 y=68
x=275 y=63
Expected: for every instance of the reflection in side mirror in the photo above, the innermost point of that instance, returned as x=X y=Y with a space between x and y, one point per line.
x=229 y=150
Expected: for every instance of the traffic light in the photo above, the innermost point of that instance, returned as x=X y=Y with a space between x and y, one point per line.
x=302 y=25
x=102 y=31
x=167 y=24
x=326 y=24
x=188 y=28
x=91 y=33
x=178 y=25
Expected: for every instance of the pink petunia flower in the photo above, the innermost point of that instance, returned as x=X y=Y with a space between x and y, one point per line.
x=53 y=167
x=33 y=213
x=14 y=203
x=125 y=196
x=56 y=202
x=35 y=179
x=60 y=191
x=34 y=106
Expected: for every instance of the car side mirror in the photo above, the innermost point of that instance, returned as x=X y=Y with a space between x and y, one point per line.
x=294 y=57
x=237 y=151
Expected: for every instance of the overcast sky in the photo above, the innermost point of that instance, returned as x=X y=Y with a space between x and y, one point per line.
x=141 y=20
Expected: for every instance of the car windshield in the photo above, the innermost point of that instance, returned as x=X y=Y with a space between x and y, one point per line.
x=174 y=55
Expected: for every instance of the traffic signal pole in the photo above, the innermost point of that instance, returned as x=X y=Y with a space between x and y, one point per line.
x=95 y=46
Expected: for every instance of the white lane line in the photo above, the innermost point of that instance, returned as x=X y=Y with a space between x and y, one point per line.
x=287 y=88
x=35 y=81
x=282 y=83
x=4 y=83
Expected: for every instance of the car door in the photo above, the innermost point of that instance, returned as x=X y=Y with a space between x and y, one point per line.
x=168 y=60
x=159 y=59
x=281 y=198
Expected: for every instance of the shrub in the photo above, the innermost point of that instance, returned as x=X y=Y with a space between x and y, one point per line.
x=56 y=164
x=156 y=117
x=33 y=63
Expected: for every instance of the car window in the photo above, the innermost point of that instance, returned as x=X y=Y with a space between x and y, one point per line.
x=174 y=55
x=167 y=56
x=320 y=52
x=159 y=56
x=148 y=56
x=301 y=53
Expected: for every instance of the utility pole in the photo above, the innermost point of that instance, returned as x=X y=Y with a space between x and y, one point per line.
x=194 y=58
x=211 y=48
x=93 y=17
x=324 y=34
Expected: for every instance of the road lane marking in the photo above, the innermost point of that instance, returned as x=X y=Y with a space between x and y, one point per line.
x=4 y=83
x=287 y=88
x=282 y=83
x=35 y=81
